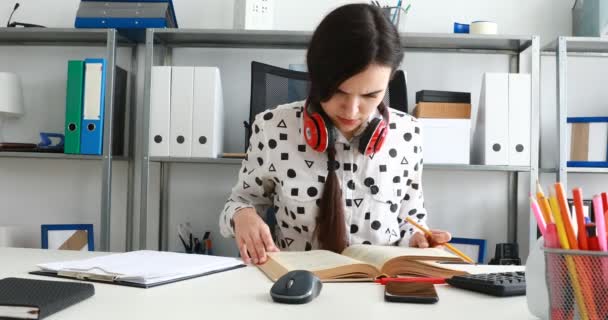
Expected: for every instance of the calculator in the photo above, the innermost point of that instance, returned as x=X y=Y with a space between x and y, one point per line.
x=503 y=284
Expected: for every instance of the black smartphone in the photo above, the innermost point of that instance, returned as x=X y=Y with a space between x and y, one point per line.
x=416 y=292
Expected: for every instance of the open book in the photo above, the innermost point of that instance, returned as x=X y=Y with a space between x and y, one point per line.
x=363 y=262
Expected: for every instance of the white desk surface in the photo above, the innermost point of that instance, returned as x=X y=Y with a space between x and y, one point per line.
x=244 y=294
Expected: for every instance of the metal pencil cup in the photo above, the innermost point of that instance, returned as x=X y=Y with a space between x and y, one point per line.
x=397 y=16
x=577 y=283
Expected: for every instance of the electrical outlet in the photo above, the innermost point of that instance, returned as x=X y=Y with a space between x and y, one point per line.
x=254 y=14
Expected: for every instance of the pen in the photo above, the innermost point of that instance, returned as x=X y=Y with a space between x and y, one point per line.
x=383 y=281
x=449 y=246
x=396 y=11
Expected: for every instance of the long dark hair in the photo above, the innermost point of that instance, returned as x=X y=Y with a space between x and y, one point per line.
x=349 y=39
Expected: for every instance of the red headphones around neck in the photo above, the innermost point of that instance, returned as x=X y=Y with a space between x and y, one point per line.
x=319 y=130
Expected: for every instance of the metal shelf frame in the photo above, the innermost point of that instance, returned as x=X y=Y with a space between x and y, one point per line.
x=167 y=39
x=110 y=40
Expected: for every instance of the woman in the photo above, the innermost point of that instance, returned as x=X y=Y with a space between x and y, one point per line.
x=339 y=168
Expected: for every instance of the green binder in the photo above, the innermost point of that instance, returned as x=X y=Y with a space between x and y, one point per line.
x=73 y=106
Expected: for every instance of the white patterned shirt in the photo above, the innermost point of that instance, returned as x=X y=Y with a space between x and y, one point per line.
x=282 y=172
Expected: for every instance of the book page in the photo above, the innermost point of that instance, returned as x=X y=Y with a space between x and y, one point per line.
x=314 y=260
x=378 y=255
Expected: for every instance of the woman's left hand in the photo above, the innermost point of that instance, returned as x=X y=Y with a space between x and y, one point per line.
x=420 y=240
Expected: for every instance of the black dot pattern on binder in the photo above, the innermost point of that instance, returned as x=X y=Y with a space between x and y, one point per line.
x=378 y=191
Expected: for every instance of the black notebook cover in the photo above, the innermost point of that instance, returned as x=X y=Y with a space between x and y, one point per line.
x=48 y=296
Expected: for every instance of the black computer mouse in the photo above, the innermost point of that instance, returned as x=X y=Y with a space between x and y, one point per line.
x=296 y=287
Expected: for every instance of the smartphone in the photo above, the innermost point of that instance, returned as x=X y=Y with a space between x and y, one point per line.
x=416 y=292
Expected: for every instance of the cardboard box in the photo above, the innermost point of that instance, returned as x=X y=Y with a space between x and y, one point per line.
x=440 y=110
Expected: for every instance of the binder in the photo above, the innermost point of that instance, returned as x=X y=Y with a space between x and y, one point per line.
x=140 y=269
x=492 y=129
x=160 y=111
x=91 y=141
x=182 y=81
x=207 y=113
x=73 y=106
x=520 y=99
x=587 y=142
x=119 y=136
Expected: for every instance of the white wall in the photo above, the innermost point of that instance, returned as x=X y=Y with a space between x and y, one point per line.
x=470 y=204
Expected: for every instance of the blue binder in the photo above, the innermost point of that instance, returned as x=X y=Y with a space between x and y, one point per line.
x=588 y=164
x=168 y=21
x=91 y=136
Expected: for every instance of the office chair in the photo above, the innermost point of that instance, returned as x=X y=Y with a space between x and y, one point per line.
x=272 y=86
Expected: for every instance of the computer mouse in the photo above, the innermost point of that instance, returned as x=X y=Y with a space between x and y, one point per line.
x=296 y=287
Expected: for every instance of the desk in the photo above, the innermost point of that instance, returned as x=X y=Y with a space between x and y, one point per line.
x=244 y=294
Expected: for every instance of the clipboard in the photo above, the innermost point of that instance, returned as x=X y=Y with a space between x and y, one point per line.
x=108 y=279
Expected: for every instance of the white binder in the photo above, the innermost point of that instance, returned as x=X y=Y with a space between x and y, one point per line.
x=182 y=81
x=492 y=129
x=207 y=113
x=160 y=111
x=519 y=119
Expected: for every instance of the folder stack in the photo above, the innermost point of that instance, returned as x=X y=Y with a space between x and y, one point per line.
x=588 y=142
x=446 y=122
x=85 y=108
x=502 y=132
x=186 y=112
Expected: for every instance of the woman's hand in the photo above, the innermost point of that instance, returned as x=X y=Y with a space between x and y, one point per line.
x=420 y=240
x=252 y=236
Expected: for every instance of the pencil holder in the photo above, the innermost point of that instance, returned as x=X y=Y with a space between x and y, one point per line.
x=397 y=16
x=578 y=284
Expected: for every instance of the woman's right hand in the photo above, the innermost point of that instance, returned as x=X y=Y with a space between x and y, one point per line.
x=252 y=236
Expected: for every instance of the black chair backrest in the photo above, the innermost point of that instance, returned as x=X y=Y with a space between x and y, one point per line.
x=272 y=86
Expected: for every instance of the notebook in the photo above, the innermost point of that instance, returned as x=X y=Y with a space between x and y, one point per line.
x=143 y=268
x=37 y=299
x=363 y=263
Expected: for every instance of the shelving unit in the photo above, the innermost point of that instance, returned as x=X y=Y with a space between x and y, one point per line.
x=562 y=48
x=104 y=38
x=168 y=39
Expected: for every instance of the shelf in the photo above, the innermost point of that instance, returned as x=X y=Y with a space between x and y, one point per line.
x=587 y=170
x=51 y=155
x=197 y=160
x=580 y=45
x=300 y=39
x=57 y=37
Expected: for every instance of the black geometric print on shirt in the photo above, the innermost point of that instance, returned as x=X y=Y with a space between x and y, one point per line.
x=283 y=244
x=272 y=143
x=245 y=185
x=321 y=179
x=272 y=168
x=399 y=192
x=291 y=173
x=412 y=212
x=305 y=228
x=256 y=129
x=367 y=215
x=400 y=115
x=416 y=167
x=415 y=149
x=258 y=181
x=354 y=228
x=354 y=167
x=284 y=224
x=244 y=169
x=376 y=225
x=308 y=246
x=358 y=202
x=309 y=163
x=392 y=125
x=396 y=179
x=391 y=233
x=371 y=156
x=268 y=116
x=406 y=197
x=247 y=155
x=260 y=161
x=347 y=166
x=289 y=241
x=297 y=229
x=382 y=168
x=293 y=215
x=405 y=173
x=415 y=186
x=402 y=234
x=298 y=114
x=284 y=156
x=349 y=202
x=282 y=136
x=286 y=211
x=282 y=124
x=261 y=146
x=333 y=164
x=368 y=182
x=346 y=147
x=318 y=203
x=392 y=153
x=366 y=242
x=294 y=192
x=394 y=207
x=407 y=136
x=404 y=161
x=351 y=184
x=399 y=220
x=312 y=191
x=417 y=130
x=253 y=195
x=302 y=147
x=409 y=182
x=243 y=199
x=420 y=216
x=300 y=210
x=232 y=224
